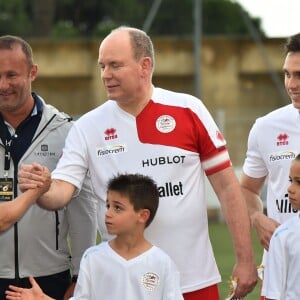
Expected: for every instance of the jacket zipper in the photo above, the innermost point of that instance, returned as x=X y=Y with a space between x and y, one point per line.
x=56 y=228
x=17 y=273
x=16 y=236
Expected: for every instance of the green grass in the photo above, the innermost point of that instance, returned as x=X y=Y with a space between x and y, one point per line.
x=222 y=245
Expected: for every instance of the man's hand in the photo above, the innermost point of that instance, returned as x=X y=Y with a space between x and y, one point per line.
x=33 y=176
x=246 y=277
x=264 y=227
x=34 y=293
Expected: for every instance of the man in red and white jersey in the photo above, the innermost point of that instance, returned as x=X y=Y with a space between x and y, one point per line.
x=170 y=137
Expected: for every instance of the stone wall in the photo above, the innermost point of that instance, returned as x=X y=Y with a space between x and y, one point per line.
x=236 y=83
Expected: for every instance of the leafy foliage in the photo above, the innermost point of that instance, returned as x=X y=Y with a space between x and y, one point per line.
x=225 y=17
x=76 y=18
x=14 y=18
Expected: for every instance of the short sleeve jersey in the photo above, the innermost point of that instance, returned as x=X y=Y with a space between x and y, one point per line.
x=274 y=141
x=282 y=271
x=175 y=141
x=107 y=275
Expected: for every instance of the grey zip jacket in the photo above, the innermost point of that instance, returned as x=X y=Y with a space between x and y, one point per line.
x=37 y=245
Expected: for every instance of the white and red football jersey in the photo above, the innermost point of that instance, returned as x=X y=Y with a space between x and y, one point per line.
x=175 y=141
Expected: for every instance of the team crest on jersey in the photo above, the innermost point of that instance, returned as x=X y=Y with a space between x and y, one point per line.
x=150 y=281
x=165 y=124
x=282 y=139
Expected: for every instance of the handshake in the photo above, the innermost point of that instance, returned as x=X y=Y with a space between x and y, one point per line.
x=34 y=176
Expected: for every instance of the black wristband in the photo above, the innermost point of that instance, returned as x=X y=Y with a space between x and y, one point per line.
x=74 y=278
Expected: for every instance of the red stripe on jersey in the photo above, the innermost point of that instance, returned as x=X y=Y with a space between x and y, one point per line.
x=189 y=132
x=218 y=168
x=216 y=162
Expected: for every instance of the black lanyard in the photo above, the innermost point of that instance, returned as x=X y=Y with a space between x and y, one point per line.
x=7 y=157
x=7 y=140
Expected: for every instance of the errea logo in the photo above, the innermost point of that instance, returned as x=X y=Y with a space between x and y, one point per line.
x=110 y=134
x=282 y=139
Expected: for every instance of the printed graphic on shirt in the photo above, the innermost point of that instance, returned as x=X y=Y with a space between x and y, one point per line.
x=150 y=281
x=111 y=150
x=44 y=152
x=282 y=155
x=163 y=160
x=170 y=189
x=284 y=205
x=165 y=124
x=282 y=139
x=110 y=134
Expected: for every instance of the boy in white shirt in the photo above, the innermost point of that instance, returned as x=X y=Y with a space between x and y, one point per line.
x=282 y=270
x=128 y=267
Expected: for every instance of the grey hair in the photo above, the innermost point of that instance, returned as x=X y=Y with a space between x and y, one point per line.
x=142 y=45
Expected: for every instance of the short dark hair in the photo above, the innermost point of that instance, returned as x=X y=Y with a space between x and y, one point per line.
x=9 y=41
x=140 y=189
x=292 y=43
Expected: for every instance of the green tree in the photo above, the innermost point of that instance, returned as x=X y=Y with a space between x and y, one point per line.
x=81 y=15
x=94 y=17
x=225 y=17
x=43 y=16
x=219 y=17
x=77 y=18
x=14 y=18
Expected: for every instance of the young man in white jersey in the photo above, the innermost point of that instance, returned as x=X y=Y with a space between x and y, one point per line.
x=274 y=141
x=128 y=266
x=170 y=137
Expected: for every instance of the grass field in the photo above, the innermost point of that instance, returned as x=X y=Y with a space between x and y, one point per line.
x=223 y=250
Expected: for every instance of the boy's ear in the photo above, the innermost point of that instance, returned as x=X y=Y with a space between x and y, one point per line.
x=144 y=215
